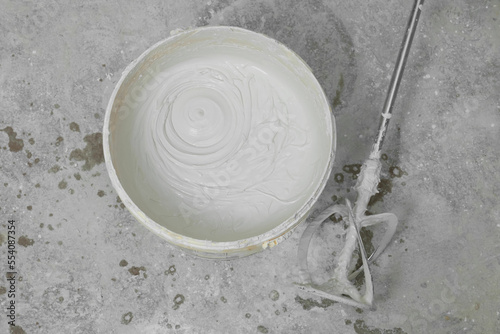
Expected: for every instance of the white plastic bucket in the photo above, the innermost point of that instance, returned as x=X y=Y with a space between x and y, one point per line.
x=219 y=140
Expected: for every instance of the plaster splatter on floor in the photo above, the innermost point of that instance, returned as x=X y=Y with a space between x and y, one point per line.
x=16 y=330
x=15 y=144
x=308 y=304
x=74 y=127
x=353 y=169
x=63 y=184
x=25 y=241
x=384 y=187
x=92 y=154
x=171 y=270
x=59 y=140
x=339 y=177
x=136 y=270
x=274 y=295
x=127 y=318
x=361 y=328
x=396 y=171
x=178 y=300
x=54 y=169
x=262 y=329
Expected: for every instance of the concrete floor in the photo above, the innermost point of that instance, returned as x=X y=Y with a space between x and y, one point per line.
x=85 y=264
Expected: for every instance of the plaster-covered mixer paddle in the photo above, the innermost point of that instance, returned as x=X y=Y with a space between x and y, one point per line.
x=340 y=287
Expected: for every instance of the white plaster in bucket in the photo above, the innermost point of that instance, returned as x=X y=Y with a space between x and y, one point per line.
x=219 y=140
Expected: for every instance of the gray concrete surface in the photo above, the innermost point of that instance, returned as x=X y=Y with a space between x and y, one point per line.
x=86 y=266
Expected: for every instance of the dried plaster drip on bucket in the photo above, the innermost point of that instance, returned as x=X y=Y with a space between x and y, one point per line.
x=225 y=146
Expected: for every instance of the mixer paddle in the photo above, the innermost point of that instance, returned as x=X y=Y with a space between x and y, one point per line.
x=340 y=287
